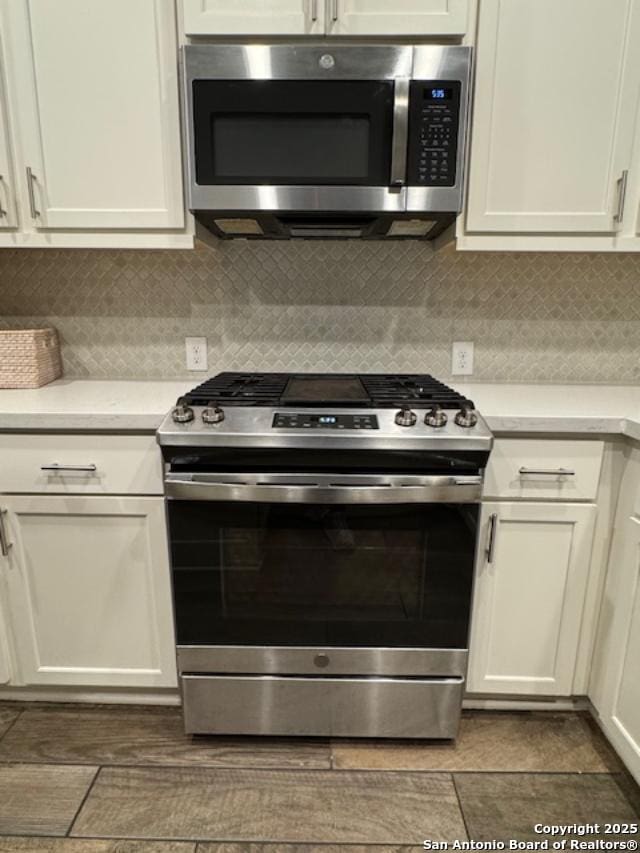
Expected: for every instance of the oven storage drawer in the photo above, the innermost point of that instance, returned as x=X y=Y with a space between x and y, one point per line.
x=343 y=707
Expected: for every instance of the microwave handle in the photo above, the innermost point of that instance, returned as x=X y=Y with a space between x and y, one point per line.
x=400 y=137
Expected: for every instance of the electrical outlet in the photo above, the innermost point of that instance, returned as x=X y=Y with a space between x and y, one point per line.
x=196 y=353
x=462 y=358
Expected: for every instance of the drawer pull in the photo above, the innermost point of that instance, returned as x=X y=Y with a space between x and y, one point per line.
x=548 y=472
x=60 y=469
x=5 y=545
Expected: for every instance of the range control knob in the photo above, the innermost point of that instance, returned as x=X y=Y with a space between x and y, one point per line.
x=435 y=417
x=182 y=413
x=466 y=417
x=405 y=417
x=213 y=414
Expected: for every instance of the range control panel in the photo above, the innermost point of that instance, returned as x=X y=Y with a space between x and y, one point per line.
x=294 y=420
x=433 y=131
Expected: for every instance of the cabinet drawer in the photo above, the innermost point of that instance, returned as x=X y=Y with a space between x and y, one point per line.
x=546 y=469
x=115 y=464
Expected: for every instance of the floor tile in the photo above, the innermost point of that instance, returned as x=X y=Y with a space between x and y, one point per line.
x=249 y=847
x=140 y=736
x=492 y=741
x=502 y=806
x=269 y=805
x=82 y=845
x=7 y=717
x=41 y=800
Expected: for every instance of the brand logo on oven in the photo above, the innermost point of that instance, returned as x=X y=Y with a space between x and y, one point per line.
x=327 y=61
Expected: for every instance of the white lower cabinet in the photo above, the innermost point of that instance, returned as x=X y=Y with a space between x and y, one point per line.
x=88 y=591
x=531 y=578
x=5 y=668
x=615 y=690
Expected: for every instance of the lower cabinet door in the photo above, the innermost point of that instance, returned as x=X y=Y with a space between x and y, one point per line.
x=529 y=594
x=618 y=704
x=5 y=670
x=89 y=591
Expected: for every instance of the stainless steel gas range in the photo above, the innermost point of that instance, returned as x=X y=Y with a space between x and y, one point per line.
x=323 y=532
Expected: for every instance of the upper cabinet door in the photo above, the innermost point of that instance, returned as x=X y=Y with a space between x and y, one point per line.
x=253 y=17
x=97 y=95
x=555 y=103
x=7 y=186
x=396 y=17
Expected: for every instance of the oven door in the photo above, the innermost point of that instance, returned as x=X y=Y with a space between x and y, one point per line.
x=282 y=128
x=322 y=574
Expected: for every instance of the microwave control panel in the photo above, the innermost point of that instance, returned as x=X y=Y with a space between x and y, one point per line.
x=434 y=110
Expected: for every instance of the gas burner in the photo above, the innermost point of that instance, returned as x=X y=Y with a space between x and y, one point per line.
x=369 y=390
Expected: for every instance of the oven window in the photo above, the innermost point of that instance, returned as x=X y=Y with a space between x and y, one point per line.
x=292 y=132
x=349 y=575
x=250 y=146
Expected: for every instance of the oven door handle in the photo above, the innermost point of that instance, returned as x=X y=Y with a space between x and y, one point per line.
x=438 y=489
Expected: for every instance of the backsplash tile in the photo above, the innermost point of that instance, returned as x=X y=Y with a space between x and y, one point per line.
x=332 y=306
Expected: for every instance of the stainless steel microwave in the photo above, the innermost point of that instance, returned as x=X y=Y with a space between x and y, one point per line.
x=325 y=140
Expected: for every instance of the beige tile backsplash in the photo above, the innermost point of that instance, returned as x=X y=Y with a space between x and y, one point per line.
x=332 y=306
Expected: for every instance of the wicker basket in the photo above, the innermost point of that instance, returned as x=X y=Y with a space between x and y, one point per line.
x=29 y=358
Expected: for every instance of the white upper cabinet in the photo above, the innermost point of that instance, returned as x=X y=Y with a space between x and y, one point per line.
x=326 y=17
x=7 y=186
x=397 y=17
x=555 y=104
x=254 y=17
x=96 y=101
x=529 y=595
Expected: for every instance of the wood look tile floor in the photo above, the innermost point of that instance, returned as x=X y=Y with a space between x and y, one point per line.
x=83 y=779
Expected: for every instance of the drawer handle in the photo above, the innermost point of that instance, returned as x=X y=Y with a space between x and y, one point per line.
x=5 y=545
x=548 y=472
x=59 y=469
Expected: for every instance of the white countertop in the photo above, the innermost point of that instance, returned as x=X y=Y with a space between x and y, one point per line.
x=101 y=405
x=97 y=405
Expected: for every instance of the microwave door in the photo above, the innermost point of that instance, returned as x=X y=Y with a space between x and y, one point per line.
x=291 y=145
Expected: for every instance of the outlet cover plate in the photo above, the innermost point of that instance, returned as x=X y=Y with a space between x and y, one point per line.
x=462 y=358
x=196 y=349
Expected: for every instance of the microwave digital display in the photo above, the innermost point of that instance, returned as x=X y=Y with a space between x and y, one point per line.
x=438 y=94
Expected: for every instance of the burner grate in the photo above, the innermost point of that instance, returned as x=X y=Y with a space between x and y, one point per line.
x=383 y=390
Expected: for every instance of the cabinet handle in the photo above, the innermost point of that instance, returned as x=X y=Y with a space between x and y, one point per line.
x=491 y=542
x=5 y=545
x=58 y=469
x=3 y=212
x=314 y=10
x=548 y=472
x=334 y=10
x=621 y=183
x=31 y=178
